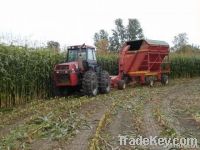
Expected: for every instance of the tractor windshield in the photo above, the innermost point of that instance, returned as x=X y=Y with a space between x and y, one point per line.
x=76 y=54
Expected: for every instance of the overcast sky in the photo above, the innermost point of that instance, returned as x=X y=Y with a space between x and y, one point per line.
x=76 y=21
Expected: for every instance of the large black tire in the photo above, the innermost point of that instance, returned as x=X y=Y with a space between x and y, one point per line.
x=104 y=82
x=90 y=83
x=164 y=79
x=121 y=85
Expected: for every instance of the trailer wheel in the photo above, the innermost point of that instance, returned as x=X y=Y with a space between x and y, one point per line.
x=121 y=85
x=150 y=81
x=104 y=82
x=164 y=79
x=90 y=83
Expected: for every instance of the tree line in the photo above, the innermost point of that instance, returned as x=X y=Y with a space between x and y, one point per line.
x=133 y=31
x=105 y=42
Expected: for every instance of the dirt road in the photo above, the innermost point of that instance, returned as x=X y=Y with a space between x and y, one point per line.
x=81 y=123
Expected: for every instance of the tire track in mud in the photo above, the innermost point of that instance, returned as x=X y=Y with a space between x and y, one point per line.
x=123 y=120
x=164 y=99
x=118 y=123
x=166 y=108
x=182 y=123
x=121 y=125
x=93 y=112
x=151 y=126
x=158 y=100
x=81 y=140
x=128 y=121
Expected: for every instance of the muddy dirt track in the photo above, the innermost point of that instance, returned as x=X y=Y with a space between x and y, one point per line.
x=81 y=123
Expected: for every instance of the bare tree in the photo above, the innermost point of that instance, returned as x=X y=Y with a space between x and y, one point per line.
x=55 y=46
x=180 y=41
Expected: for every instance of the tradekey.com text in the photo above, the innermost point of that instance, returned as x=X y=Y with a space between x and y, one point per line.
x=158 y=141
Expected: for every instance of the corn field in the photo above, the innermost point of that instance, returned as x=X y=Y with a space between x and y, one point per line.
x=26 y=74
x=185 y=66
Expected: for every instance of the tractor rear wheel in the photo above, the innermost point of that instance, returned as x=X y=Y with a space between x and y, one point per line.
x=90 y=83
x=121 y=85
x=104 y=82
x=164 y=79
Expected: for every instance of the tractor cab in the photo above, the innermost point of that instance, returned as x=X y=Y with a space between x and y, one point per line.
x=82 y=54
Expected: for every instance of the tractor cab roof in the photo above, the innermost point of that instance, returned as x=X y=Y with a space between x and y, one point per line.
x=75 y=47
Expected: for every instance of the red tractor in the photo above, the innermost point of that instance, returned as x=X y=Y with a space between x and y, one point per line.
x=81 y=72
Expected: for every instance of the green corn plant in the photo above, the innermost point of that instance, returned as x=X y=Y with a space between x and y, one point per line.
x=26 y=74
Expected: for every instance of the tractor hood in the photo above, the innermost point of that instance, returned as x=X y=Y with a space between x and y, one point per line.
x=66 y=66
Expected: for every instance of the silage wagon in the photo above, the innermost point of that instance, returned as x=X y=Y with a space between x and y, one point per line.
x=143 y=61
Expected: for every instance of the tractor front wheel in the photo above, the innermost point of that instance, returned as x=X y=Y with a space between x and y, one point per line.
x=90 y=83
x=104 y=82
